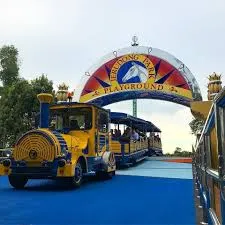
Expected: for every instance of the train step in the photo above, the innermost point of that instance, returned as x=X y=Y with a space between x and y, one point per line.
x=92 y=173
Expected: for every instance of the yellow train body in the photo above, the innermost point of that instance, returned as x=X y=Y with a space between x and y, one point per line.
x=63 y=152
x=129 y=152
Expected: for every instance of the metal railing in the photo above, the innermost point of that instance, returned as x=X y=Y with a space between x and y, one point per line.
x=208 y=166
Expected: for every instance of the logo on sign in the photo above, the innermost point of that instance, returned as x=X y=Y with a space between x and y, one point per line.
x=132 y=68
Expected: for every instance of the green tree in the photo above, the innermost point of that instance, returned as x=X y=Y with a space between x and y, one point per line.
x=18 y=104
x=181 y=153
x=167 y=154
x=196 y=126
x=18 y=97
x=177 y=151
x=41 y=85
x=15 y=111
x=1 y=91
x=9 y=71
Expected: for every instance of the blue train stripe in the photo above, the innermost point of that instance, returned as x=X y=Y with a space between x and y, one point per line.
x=61 y=140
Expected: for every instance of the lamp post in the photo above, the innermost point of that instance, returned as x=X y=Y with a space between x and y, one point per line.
x=134 y=43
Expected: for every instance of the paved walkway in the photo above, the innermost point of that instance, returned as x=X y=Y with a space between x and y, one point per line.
x=157 y=168
x=153 y=192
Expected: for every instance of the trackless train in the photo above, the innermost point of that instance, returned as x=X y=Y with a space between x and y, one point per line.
x=76 y=145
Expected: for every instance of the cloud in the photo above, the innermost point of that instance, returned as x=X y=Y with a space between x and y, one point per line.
x=175 y=129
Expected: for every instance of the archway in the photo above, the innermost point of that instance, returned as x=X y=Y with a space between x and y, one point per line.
x=138 y=72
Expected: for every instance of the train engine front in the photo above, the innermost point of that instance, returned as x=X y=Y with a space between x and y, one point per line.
x=39 y=153
x=65 y=154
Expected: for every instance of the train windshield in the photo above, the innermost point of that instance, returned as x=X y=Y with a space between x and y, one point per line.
x=72 y=118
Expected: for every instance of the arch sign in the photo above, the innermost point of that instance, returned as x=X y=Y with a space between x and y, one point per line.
x=138 y=72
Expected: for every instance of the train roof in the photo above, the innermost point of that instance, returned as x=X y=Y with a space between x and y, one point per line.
x=138 y=123
x=64 y=103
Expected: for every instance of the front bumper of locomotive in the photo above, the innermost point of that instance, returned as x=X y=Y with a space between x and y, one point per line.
x=39 y=154
x=58 y=168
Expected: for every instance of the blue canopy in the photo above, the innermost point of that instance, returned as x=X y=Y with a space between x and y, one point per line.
x=131 y=121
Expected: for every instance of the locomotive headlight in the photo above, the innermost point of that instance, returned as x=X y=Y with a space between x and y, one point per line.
x=6 y=163
x=61 y=162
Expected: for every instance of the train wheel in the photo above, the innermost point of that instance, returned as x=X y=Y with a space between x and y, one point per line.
x=77 y=180
x=110 y=175
x=18 y=182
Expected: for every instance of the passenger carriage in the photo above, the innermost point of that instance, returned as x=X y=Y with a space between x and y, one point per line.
x=155 y=143
x=127 y=151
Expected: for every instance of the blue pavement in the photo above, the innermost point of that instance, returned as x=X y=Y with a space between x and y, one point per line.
x=126 y=199
x=154 y=168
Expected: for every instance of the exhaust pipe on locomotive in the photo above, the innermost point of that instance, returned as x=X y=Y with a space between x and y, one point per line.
x=45 y=100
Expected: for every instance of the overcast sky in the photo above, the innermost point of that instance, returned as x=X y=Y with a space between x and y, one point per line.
x=64 y=38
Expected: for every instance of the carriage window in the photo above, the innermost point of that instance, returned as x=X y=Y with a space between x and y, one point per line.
x=221 y=131
x=73 y=118
x=222 y=125
x=213 y=148
x=80 y=119
x=202 y=154
x=207 y=149
x=59 y=122
x=103 y=122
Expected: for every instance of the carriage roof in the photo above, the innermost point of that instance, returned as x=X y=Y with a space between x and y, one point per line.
x=138 y=123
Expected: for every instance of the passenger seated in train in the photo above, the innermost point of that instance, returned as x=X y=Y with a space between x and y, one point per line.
x=52 y=125
x=141 y=134
x=134 y=135
x=126 y=135
x=74 y=125
x=87 y=123
x=155 y=140
x=112 y=134
x=117 y=133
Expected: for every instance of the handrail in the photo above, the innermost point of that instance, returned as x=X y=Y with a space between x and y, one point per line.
x=214 y=217
x=205 y=198
x=203 y=154
x=202 y=168
x=213 y=173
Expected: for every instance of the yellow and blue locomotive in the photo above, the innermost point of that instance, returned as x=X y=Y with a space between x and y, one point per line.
x=76 y=145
